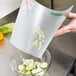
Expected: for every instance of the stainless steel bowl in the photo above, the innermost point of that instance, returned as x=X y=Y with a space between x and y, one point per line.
x=18 y=58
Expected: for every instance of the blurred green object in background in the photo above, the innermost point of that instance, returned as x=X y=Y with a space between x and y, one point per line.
x=7 y=29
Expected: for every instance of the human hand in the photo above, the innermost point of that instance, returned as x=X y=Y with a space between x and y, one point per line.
x=29 y=3
x=71 y=27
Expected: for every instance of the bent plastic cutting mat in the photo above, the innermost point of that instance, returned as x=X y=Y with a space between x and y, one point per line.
x=34 y=28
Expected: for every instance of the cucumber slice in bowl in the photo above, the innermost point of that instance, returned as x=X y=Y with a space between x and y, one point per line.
x=28 y=61
x=44 y=65
x=38 y=72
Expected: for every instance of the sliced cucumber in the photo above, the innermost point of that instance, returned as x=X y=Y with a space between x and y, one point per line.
x=38 y=65
x=21 y=67
x=28 y=72
x=44 y=65
x=28 y=61
x=22 y=72
x=35 y=71
x=29 y=67
x=35 y=43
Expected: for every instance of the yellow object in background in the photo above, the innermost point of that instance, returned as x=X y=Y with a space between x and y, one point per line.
x=1 y=36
